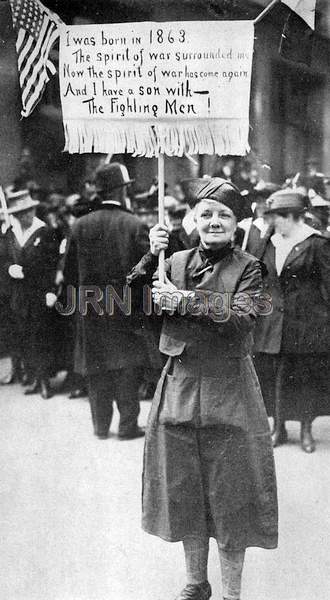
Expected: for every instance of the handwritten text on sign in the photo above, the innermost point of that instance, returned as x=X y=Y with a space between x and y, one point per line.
x=157 y=71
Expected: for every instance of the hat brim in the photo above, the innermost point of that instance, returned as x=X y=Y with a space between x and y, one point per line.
x=28 y=206
x=319 y=202
x=285 y=209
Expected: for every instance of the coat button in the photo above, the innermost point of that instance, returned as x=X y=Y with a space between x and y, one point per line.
x=296 y=248
x=281 y=309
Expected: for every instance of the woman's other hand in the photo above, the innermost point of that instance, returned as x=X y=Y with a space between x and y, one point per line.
x=166 y=295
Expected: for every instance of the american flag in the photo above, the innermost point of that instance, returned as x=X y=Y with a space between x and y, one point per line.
x=37 y=29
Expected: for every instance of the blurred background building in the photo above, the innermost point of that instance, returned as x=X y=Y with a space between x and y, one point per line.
x=290 y=103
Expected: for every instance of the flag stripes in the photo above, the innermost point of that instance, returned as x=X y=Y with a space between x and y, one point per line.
x=37 y=30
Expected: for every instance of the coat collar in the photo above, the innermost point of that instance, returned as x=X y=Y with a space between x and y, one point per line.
x=213 y=256
x=304 y=232
x=110 y=205
x=287 y=250
x=222 y=277
x=203 y=261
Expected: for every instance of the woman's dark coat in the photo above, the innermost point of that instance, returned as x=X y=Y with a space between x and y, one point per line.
x=300 y=321
x=209 y=398
x=34 y=322
x=292 y=344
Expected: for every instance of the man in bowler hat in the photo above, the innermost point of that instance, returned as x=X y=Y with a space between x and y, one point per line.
x=104 y=246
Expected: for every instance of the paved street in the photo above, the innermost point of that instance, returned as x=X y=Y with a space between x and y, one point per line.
x=70 y=514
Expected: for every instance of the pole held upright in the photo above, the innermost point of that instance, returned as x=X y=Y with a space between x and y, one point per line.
x=161 y=212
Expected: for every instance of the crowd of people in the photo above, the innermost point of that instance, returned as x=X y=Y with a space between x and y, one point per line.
x=95 y=238
x=236 y=328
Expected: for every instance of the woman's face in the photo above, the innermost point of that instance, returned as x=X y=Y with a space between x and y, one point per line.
x=283 y=224
x=26 y=217
x=215 y=222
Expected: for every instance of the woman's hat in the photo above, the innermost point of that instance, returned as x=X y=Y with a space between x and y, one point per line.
x=111 y=177
x=318 y=202
x=287 y=200
x=190 y=188
x=20 y=201
x=216 y=188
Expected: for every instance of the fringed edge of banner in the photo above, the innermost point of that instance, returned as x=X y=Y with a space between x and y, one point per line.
x=212 y=136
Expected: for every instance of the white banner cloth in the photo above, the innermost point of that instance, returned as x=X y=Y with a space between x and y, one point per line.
x=147 y=88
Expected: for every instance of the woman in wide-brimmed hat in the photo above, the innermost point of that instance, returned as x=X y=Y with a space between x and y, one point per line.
x=292 y=344
x=208 y=464
x=31 y=262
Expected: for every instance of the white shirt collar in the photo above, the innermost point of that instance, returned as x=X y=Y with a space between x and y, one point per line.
x=304 y=232
x=283 y=246
x=23 y=236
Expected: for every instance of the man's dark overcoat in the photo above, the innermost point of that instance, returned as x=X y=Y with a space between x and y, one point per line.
x=298 y=328
x=103 y=248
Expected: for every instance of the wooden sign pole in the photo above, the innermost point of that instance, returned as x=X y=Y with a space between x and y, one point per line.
x=161 y=212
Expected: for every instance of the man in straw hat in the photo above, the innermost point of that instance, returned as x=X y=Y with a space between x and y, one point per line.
x=32 y=255
x=208 y=463
x=104 y=246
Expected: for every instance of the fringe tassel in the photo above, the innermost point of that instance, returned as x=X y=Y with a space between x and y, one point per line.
x=226 y=136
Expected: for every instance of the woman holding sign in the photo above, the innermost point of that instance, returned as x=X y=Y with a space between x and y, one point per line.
x=208 y=465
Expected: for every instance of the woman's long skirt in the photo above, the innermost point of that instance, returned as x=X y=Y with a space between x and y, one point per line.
x=295 y=386
x=212 y=475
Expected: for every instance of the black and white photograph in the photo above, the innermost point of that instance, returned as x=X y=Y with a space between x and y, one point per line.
x=165 y=299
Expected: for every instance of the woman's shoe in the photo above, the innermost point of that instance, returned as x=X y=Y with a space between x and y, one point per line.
x=196 y=591
x=306 y=438
x=77 y=393
x=280 y=436
x=26 y=379
x=34 y=388
x=45 y=389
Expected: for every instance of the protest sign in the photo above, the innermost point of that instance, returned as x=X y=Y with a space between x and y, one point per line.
x=151 y=88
